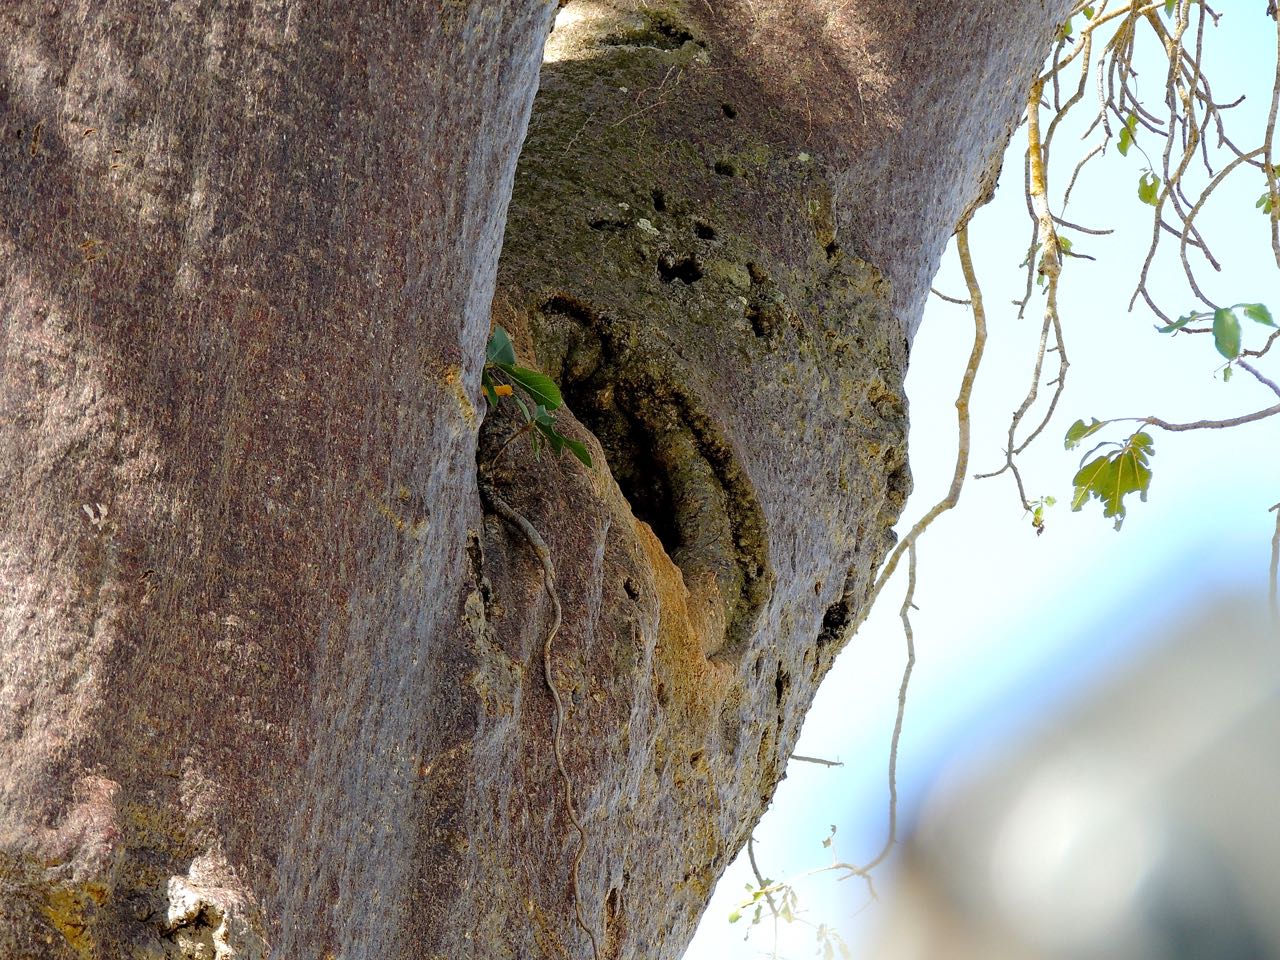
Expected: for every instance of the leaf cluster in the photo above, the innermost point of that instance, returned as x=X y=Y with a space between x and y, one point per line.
x=1226 y=324
x=1123 y=469
x=537 y=399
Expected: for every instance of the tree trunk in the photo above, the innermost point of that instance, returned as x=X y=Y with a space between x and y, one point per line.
x=271 y=676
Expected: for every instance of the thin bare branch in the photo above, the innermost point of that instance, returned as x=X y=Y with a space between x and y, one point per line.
x=908 y=544
x=942 y=296
x=539 y=546
x=817 y=760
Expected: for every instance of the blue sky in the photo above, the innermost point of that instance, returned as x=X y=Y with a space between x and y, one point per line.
x=1011 y=624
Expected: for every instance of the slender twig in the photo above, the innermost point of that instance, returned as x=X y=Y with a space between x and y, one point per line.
x=761 y=883
x=1263 y=349
x=818 y=760
x=1200 y=424
x=904 y=613
x=908 y=545
x=1257 y=375
x=511 y=439
x=962 y=416
x=539 y=546
x=942 y=296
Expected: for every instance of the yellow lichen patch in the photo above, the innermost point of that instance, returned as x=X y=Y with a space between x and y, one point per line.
x=65 y=909
x=691 y=622
x=453 y=380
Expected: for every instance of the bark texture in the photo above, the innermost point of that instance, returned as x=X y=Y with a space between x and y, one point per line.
x=271 y=681
x=248 y=253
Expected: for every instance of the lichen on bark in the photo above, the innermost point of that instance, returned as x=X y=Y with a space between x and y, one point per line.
x=272 y=679
x=675 y=266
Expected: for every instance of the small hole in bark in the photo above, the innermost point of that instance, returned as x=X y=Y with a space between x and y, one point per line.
x=661 y=32
x=758 y=666
x=686 y=268
x=659 y=201
x=632 y=588
x=695 y=758
x=612 y=907
x=781 y=681
x=727 y=168
x=729 y=110
x=607 y=223
x=834 y=621
x=703 y=230
x=832 y=249
x=661 y=692
x=761 y=325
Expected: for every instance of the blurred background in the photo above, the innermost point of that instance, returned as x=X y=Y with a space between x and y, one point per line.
x=1090 y=761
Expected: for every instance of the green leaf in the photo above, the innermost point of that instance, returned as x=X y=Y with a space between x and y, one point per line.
x=1169 y=6
x=579 y=450
x=539 y=386
x=1050 y=501
x=500 y=349
x=1126 y=134
x=1226 y=333
x=1179 y=323
x=735 y=916
x=1079 y=430
x=1111 y=477
x=1093 y=474
x=486 y=384
x=524 y=408
x=1258 y=312
x=1264 y=203
x=553 y=436
x=1088 y=13
x=1227 y=372
x=1148 y=188
x=560 y=443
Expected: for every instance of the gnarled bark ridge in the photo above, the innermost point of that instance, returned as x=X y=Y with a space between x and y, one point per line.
x=271 y=679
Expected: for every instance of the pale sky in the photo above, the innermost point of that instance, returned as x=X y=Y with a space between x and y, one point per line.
x=1010 y=624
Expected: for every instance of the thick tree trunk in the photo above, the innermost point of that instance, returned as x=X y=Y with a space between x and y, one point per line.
x=271 y=680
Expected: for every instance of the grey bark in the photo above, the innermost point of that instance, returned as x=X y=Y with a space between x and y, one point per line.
x=270 y=678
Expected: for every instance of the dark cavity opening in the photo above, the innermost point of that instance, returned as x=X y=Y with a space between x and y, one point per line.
x=685 y=268
x=703 y=230
x=761 y=321
x=594 y=400
x=659 y=201
x=660 y=32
